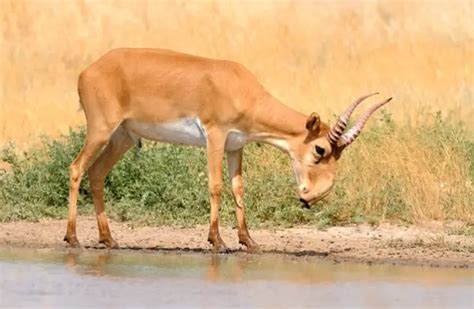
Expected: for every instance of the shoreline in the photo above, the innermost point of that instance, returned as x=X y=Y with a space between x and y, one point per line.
x=432 y=246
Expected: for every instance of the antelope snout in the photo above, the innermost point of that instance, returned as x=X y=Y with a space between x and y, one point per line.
x=303 y=189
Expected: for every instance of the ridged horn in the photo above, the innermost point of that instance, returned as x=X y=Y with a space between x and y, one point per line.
x=334 y=135
x=352 y=134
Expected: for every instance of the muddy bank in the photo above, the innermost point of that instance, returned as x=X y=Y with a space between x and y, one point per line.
x=433 y=245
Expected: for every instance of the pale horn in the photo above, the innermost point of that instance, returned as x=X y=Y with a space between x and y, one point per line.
x=335 y=134
x=352 y=134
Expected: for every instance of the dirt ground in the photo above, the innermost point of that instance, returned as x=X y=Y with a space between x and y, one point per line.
x=432 y=245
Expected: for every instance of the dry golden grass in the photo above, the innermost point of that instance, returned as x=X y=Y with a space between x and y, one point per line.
x=416 y=175
x=314 y=56
x=311 y=55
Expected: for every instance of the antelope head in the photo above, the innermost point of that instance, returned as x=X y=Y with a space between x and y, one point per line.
x=314 y=159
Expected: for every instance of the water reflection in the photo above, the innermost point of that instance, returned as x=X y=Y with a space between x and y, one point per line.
x=95 y=269
x=241 y=267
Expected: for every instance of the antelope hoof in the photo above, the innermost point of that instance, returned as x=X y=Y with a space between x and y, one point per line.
x=109 y=243
x=252 y=246
x=72 y=241
x=221 y=248
x=218 y=245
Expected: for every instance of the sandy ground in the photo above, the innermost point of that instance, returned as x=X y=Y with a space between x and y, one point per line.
x=432 y=245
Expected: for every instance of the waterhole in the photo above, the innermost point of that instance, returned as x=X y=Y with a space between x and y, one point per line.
x=49 y=278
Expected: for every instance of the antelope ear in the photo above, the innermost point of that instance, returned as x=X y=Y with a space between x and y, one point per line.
x=313 y=122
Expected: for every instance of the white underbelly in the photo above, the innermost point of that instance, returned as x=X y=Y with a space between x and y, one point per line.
x=187 y=131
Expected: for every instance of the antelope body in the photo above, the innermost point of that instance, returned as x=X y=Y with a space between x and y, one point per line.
x=182 y=99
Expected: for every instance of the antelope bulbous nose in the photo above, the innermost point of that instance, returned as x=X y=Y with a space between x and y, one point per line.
x=303 y=189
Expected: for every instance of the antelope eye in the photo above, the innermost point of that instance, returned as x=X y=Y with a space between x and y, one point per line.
x=320 y=150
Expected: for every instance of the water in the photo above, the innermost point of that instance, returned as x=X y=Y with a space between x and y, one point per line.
x=46 y=278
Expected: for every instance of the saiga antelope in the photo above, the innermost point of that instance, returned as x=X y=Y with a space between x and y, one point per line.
x=177 y=98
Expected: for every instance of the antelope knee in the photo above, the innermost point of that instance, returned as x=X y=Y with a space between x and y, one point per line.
x=238 y=188
x=215 y=189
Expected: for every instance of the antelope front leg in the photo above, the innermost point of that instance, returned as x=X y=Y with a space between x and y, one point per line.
x=234 y=161
x=215 y=156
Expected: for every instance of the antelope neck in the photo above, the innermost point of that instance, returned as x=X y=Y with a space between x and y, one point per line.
x=276 y=124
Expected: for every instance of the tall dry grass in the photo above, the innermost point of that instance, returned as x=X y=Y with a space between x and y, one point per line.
x=313 y=55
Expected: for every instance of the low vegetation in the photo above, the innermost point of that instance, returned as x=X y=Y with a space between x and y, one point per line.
x=394 y=172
